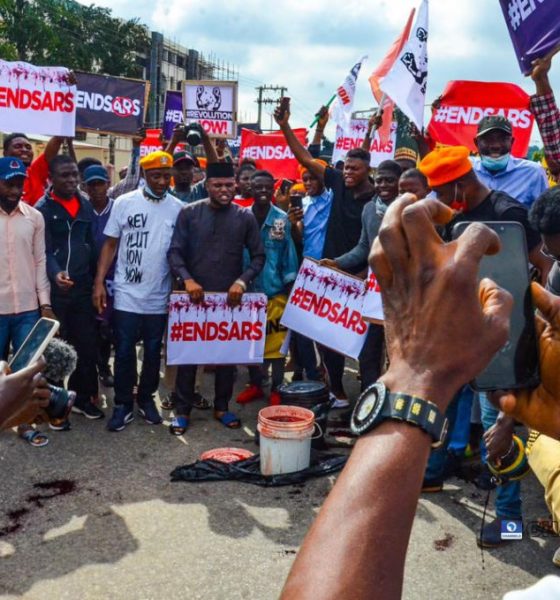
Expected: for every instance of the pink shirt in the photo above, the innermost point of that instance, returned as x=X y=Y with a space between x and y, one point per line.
x=23 y=265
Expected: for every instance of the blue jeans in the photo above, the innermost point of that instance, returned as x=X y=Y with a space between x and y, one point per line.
x=129 y=328
x=461 y=432
x=14 y=329
x=435 y=469
x=508 y=497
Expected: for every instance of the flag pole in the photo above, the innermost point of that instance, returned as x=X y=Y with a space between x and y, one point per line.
x=316 y=119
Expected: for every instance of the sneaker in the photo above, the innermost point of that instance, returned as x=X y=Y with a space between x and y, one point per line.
x=88 y=409
x=432 y=486
x=491 y=536
x=249 y=394
x=122 y=416
x=150 y=413
x=274 y=399
x=59 y=424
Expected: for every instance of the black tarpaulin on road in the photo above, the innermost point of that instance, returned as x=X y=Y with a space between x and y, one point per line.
x=248 y=470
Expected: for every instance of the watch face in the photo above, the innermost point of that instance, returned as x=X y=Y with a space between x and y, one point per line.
x=367 y=409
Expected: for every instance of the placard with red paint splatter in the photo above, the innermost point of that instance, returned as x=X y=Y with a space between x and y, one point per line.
x=214 y=333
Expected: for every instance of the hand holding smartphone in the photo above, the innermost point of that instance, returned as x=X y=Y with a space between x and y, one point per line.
x=516 y=365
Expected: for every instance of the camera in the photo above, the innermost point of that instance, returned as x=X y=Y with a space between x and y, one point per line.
x=193 y=133
x=60 y=403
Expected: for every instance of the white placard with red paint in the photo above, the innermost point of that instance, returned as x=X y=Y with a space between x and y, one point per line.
x=354 y=138
x=36 y=99
x=326 y=306
x=213 y=333
x=213 y=104
x=372 y=308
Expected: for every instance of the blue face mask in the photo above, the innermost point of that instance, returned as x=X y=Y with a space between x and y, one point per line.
x=495 y=164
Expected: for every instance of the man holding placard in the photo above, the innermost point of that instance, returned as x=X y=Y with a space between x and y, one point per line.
x=206 y=253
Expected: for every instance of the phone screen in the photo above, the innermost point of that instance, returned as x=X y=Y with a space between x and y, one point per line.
x=43 y=331
x=516 y=365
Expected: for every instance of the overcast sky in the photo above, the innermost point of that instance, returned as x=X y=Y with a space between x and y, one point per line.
x=310 y=46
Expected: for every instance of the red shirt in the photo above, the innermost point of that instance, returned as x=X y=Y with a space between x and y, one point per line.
x=243 y=202
x=36 y=180
x=71 y=205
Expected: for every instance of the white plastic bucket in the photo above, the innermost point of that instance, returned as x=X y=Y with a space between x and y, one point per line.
x=285 y=439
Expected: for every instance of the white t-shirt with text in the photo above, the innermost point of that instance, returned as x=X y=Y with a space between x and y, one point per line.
x=144 y=227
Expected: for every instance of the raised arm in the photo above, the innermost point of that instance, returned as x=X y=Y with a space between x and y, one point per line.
x=303 y=156
x=323 y=118
x=374 y=124
x=366 y=557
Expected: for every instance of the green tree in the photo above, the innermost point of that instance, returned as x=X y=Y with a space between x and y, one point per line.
x=65 y=33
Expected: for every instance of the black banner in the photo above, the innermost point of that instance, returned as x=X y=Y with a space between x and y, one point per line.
x=110 y=104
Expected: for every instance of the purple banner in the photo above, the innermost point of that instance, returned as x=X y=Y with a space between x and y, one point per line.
x=534 y=27
x=172 y=114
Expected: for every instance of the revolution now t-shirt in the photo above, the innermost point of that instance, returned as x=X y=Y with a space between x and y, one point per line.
x=142 y=277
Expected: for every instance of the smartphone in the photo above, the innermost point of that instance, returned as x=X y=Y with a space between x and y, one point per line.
x=296 y=201
x=516 y=365
x=284 y=105
x=286 y=185
x=34 y=344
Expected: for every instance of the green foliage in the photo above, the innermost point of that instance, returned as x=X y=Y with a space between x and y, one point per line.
x=65 y=33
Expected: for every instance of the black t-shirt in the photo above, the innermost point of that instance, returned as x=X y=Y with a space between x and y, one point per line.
x=498 y=206
x=345 y=220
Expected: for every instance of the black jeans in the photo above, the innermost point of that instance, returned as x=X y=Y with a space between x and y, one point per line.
x=371 y=355
x=75 y=312
x=334 y=363
x=185 y=388
x=128 y=328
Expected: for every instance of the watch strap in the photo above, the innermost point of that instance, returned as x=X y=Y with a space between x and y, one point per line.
x=416 y=411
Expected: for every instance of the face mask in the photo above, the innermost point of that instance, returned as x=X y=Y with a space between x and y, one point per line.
x=495 y=164
x=150 y=194
x=458 y=205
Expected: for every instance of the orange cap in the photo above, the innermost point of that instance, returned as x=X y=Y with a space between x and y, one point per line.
x=297 y=188
x=445 y=164
x=202 y=161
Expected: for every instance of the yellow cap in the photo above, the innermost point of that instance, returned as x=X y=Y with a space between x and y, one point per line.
x=157 y=160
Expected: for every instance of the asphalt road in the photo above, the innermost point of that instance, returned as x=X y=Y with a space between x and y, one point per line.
x=117 y=528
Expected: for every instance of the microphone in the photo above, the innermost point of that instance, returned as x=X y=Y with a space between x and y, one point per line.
x=61 y=359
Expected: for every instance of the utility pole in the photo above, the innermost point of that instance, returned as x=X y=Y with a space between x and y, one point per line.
x=276 y=90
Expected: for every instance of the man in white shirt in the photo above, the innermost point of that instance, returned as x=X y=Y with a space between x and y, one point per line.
x=140 y=225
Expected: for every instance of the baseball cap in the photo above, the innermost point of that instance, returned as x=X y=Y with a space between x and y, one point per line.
x=96 y=173
x=10 y=166
x=494 y=122
x=183 y=156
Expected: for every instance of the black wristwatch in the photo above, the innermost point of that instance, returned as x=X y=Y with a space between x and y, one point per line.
x=377 y=403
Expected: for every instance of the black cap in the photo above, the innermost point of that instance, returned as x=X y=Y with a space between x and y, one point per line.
x=494 y=122
x=219 y=169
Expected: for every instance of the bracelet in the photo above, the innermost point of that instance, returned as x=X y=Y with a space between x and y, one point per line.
x=45 y=306
x=241 y=283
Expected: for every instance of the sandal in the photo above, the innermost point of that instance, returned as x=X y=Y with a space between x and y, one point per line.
x=228 y=419
x=33 y=437
x=200 y=402
x=179 y=425
x=168 y=403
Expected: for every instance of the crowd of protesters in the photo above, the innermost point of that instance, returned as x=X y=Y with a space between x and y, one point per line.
x=67 y=237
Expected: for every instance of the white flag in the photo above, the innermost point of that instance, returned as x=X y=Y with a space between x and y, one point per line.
x=341 y=109
x=406 y=82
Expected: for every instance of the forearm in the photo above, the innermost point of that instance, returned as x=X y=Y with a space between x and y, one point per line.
x=353 y=259
x=209 y=149
x=255 y=267
x=366 y=144
x=71 y=151
x=542 y=86
x=52 y=148
x=297 y=233
x=358 y=542
x=106 y=257
x=303 y=156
